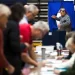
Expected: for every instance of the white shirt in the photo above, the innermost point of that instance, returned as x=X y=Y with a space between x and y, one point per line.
x=58 y=22
x=67 y=64
x=24 y=20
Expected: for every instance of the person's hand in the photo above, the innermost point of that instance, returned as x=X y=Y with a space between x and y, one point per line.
x=27 y=45
x=10 y=69
x=40 y=64
x=59 y=26
x=53 y=16
x=64 y=60
x=57 y=72
x=49 y=65
x=59 y=57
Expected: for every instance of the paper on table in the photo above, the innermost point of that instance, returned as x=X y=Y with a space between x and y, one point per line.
x=53 y=61
x=47 y=73
x=47 y=69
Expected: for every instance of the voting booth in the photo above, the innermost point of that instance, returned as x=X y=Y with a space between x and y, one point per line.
x=51 y=38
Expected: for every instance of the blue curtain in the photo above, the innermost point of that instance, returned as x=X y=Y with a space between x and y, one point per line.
x=53 y=8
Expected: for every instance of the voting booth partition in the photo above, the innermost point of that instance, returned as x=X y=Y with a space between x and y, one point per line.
x=53 y=9
x=51 y=38
x=55 y=36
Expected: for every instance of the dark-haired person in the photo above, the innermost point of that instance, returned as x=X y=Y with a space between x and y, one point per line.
x=4 y=14
x=12 y=38
x=65 y=22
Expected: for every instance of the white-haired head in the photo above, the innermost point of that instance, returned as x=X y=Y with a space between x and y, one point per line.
x=43 y=26
x=69 y=43
x=31 y=8
x=26 y=7
x=4 y=10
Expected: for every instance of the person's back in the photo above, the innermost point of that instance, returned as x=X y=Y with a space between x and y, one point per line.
x=12 y=44
x=25 y=32
x=12 y=38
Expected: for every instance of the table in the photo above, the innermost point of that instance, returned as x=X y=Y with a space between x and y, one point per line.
x=47 y=70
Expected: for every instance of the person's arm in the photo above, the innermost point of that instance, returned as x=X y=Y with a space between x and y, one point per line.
x=69 y=56
x=68 y=72
x=32 y=53
x=67 y=64
x=27 y=59
x=67 y=22
x=22 y=46
x=56 y=18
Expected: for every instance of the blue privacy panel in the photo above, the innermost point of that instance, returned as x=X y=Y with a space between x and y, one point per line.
x=54 y=7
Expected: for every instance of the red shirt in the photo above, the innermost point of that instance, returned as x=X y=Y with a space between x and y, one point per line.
x=25 y=32
x=3 y=62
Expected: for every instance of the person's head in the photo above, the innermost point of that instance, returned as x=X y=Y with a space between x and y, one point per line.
x=17 y=12
x=62 y=11
x=70 y=44
x=31 y=11
x=40 y=29
x=4 y=14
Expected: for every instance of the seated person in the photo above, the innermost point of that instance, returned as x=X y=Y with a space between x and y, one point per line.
x=65 y=23
x=68 y=35
x=71 y=63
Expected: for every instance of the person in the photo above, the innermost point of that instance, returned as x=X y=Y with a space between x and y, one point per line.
x=71 y=64
x=4 y=14
x=28 y=32
x=65 y=22
x=12 y=48
x=68 y=35
x=31 y=12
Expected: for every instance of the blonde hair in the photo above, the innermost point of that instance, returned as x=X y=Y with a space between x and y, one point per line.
x=4 y=10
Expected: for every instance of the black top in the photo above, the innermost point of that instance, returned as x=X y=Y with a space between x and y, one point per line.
x=11 y=39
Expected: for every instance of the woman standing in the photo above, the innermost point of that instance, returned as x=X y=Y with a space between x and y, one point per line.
x=4 y=14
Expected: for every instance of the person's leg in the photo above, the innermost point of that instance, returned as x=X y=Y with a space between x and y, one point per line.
x=1 y=71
